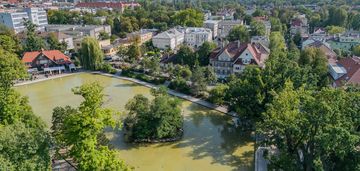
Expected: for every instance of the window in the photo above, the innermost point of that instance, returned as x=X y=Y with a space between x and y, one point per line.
x=246 y=61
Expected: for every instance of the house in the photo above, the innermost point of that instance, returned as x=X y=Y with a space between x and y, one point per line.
x=196 y=36
x=299 y=24
x=213 y=25
x=345 y=71
x=170 y=39
x=234 y=57
x=46 y=60
x=226 y=25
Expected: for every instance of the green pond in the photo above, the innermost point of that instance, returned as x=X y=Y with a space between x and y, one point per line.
x=210 y=141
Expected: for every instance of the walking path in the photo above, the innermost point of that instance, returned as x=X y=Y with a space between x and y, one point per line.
x=146 y=84
x=175 y=93
x=260 y=161
x=44 y=79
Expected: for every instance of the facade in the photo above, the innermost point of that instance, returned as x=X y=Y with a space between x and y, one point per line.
x=226 y=25
x=37 y=16
x=15 y=19
x=213 y=25
x=234 y=57
x=345 y=71
x=195 y=36
x=79 y=30
x=46 y=59
x=170 y=39
x=144 y=35
x=108 y=5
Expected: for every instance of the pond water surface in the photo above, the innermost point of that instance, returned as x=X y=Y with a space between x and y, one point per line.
x=210 y=141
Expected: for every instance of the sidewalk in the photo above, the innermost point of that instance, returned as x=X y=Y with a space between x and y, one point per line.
x=44 y=79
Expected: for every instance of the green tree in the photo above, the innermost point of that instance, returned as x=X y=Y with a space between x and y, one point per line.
x=185 y=56
x=104 y=36
x=189 y=18
x=91 y=56
x=311 y=130
x=54 y=43
x=356 y=50
x=33 y=42
x=259 y=13
x=277 y=42
x=337 y=16
x=198 y=80
x=11 y=69
x=257 y=28
x=157 y=119
x=134 y=51
x=79 y=129
x=217 y=95
x=335 y=29
x=276 y=24
x=204 y=52
x=239 y=33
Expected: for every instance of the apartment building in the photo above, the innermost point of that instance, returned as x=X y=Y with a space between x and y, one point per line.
x=213 y=25
x=226 y=25
x=14 y=19
x=196 y=36
x=170 y=39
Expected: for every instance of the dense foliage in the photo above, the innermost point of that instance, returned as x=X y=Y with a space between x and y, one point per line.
x=157 y=119
x=79 y=129
x=91 y=55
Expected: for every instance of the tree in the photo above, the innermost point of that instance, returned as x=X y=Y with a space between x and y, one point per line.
x=277 y=42
x=356 y=50
x=297 y=39
x=311 y=130
x=217 y=95
x=54 y=43
x=335 y=29
x=204 y=52
x=157 y=119
x=134 y=51
x=239 y=33
x=33 y=42
x=24 y=147
x=257 y=28
x=104 y=36
x=337 y=16
x=276 y=25
x=11 y=69
x=79 y=130
x=199 y=82
x=259 y=13
x=188 y=18
x=91 y=55
x=185 y=56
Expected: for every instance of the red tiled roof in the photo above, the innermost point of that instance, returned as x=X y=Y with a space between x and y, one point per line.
x=296 y=22
x=54 y=55
x=352 y=66
x=234 y=51
x=106 y=4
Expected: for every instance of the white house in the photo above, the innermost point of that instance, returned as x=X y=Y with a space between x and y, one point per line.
x=195 y=36
x=213 y=25
x=170 y=39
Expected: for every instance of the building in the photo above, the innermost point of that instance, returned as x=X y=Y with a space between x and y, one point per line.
x=299 y=24
x=121 y=6
x=15 y=19
x=170 y=39
x=196 y=36
x=37 y=16
x=234 y=57
x=226 y=25
x=213 y=25
x=345 y=71
x=79 y=30
x=144 y=35
x=46 y=60
x=345 y=41
x=264 y=40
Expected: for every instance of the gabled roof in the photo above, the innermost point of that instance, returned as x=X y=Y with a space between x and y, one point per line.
x=168 y=34
x=234 y=51
x=53 y=55
x=352 y=66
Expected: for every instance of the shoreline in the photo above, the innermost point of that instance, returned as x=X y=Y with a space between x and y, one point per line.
x=143 y=83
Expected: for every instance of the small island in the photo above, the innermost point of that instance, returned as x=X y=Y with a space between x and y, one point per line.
x=159 y=120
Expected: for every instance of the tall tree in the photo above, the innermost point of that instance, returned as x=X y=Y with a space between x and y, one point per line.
x=189 y=18
x=204 y=52
x=91 y=55
x=79 y=130
x=54 y=43
x=239 y=33
x=33 y=42
x=185 y=56
x=337 y=16
x=257 y=28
